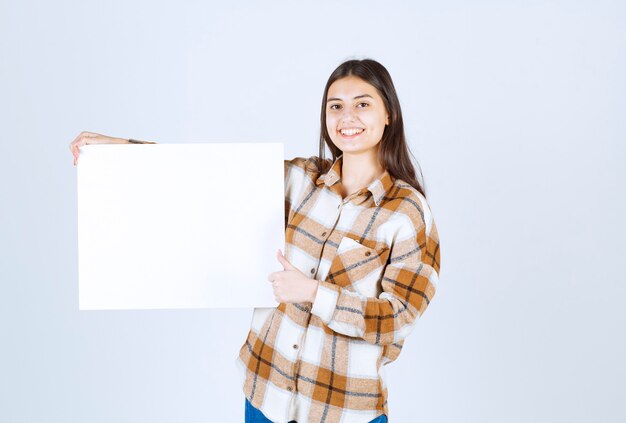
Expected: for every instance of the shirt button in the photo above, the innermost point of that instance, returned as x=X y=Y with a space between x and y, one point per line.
x=313 y=270
x=295 y=346
x=367 y=253
x=289 y=388
x=323 y=233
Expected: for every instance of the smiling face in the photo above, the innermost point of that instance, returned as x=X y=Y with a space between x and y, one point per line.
x=355 y=116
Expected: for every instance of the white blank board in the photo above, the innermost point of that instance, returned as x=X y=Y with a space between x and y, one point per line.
x=169 y=226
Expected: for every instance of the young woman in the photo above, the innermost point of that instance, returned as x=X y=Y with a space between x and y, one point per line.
x=361 y=263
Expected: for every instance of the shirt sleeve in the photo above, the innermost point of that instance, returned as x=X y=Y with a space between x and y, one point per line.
x=300 y=172
x=408 y=285
x=294 y=182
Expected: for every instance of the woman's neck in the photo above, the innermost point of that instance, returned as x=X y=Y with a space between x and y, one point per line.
x=358 y=171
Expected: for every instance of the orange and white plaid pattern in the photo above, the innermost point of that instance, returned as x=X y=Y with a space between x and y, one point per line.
x=376 y=255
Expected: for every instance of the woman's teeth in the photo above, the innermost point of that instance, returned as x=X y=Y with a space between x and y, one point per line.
x=351 y=131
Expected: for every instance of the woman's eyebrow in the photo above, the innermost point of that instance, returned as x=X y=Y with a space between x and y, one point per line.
x=357 y=97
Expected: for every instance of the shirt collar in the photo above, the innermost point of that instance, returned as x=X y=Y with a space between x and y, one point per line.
x=379 y=187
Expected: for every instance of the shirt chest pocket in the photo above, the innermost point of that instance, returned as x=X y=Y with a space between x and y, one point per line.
x=357 y=267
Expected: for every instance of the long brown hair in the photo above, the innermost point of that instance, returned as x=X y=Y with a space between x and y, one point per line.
x=393 y=153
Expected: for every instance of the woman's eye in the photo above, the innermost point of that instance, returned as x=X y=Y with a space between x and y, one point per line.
x=362 y=104
x=334 y=106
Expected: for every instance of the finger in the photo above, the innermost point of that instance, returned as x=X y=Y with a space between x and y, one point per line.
x=80 y=137
x=76 y=139
x=81 y=142
x=276 y=295
x=76 y=146
x=284 y=261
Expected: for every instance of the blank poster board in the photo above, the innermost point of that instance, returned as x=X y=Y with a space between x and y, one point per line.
x=170 y=226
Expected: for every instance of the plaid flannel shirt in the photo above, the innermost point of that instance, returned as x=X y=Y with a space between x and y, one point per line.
x=376 y=255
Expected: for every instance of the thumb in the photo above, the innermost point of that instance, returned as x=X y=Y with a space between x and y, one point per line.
x=284 y=262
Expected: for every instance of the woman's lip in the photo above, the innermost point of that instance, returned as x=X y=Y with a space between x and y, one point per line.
x=350 y=136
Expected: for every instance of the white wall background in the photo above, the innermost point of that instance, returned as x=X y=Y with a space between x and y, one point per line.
x=515 y=110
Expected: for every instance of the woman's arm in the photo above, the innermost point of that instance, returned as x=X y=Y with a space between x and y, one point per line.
x=408 y=283
x=85 y=138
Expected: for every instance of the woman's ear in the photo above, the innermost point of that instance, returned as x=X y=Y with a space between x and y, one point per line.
x=387 y=120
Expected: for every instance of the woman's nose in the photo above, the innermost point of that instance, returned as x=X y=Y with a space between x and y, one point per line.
x=348 y=115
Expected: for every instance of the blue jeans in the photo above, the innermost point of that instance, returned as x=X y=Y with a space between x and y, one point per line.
x=253 y=415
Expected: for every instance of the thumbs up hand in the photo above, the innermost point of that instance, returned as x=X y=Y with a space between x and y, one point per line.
x=291 y=285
